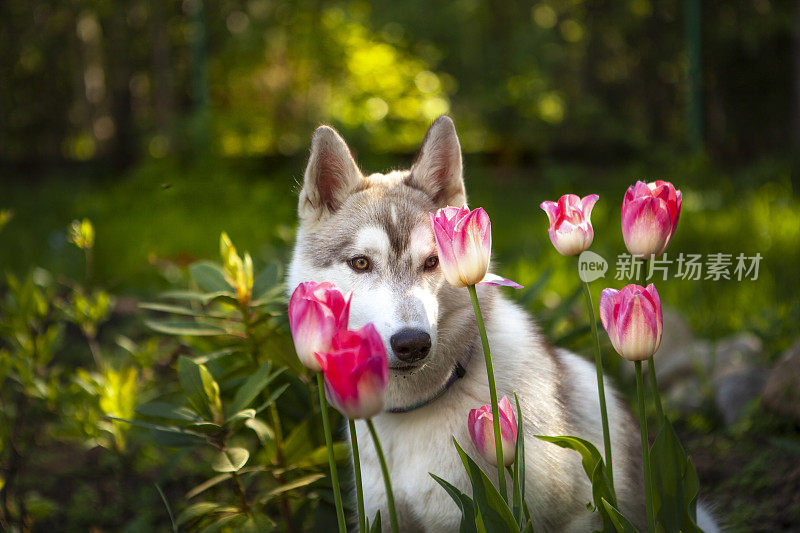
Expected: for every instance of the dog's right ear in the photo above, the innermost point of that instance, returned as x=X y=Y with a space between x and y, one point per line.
x=331 y=175
x=437 y=168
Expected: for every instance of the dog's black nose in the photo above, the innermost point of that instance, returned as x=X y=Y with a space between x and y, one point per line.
x=411 y=345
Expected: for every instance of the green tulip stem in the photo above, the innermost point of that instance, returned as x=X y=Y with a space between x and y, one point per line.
x=362 y=517
x=600 y=385
x=648 y=488
x=386 y=480
x=651 y=365
x=498 y=442
x=326 y=427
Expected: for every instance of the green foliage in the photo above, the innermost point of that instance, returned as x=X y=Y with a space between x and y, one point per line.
x=492 y=513
x=675 y=482
x=227 y=399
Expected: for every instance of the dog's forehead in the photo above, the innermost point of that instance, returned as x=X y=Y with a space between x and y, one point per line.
x=386 y=216
x=390 y=215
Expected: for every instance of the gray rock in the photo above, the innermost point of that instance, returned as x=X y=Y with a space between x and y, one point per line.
x=737 y=376
x=782 y=391
x=736 y=353
x=684 y=362
x=686 y=395
x=735 y=390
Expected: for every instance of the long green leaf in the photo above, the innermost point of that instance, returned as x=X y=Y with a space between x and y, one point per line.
x=621 y=524
x=168 y=410
x=464 y=503
x=491 y=509
x=158 y=427
x=668 y=466
x=376 y=524
x=201 y=297
x=691 y=490
x=169 y=509
x=209 y=276
x=200 y=387
x=185 y=328
x=589 y=454
x=180 y=310
x=251 y=388
x=266 y=279
x=518 y=497
x=204 y=486
x=272 y=397
x=595 y=469
x=290 y=486
x=198 y=510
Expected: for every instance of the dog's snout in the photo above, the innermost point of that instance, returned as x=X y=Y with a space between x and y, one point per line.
x=411 y=345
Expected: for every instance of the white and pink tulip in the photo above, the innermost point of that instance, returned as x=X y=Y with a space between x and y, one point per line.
x=650 y=213
x=464 y=243
x=481 y=429
x=571 y=229
x=317 y=311
x=633 y=319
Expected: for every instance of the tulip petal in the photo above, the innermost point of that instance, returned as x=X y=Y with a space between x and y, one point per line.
x=646 y=226
x=586 y=206
x=472 y=245
x=607 y=302
x=551 y=209
x=447 y=257
x=497 y=281
x=637 y=328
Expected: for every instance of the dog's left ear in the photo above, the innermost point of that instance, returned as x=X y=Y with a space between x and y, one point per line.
x=437 y=168
x=331 y=175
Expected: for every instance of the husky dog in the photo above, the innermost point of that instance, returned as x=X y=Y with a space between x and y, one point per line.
x=371 y=234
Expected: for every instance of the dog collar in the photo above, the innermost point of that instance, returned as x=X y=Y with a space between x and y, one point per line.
x=458 y=372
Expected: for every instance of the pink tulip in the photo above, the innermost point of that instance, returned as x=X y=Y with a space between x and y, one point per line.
x=356 y=372
x=464 y=242
x=481 y=429
x=632 y=317
x=570 y=223
x=650 y=214
x=316 y=312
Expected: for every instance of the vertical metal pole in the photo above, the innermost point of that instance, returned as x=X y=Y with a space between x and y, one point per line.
x=694 y=108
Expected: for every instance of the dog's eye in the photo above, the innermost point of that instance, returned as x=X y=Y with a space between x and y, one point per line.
x=431 y=262
x=360 y=264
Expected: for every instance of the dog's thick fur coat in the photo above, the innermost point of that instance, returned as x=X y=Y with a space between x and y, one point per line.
x=384 y=217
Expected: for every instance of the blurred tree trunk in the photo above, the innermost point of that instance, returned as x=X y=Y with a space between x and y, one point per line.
x=162 y=92
x=119 y=69
x=796 y=77
x=694 y=65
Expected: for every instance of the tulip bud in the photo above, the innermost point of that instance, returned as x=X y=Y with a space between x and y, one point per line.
x=228 y=253
x=633 y=319
x=316 y=312
x=650 y=214
x=238 y=273
x=81 y=234
x=464 y=244
x=571 y=229
x=356 y=372
x=481 y=429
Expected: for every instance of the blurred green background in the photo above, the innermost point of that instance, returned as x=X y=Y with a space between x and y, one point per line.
x=165 y=123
